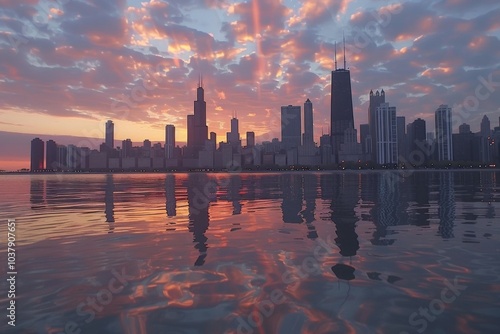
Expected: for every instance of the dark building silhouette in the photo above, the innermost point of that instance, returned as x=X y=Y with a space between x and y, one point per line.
x=401 y=129
x=366 y=141
x=291 y=187
x=375 y=101
x=250 y=139
x=109 y=139
x=37 y=154
x=51 y=155
x=169 y=141
x=197 y=123
x=417 y=144
x=341 y=116
x=290 y=126
x=308 y=123
x=485 y=127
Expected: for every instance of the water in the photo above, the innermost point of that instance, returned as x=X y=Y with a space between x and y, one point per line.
x=254 y=253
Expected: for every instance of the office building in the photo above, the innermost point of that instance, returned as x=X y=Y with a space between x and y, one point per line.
x=444 y=139
x=485 y=127
x=308 y=123
x=37 y=154
x=250 y=139
x=341 y=112
x=197 y=123
x=401 y=128
x=464 y=128
x=365 y=138
x=290 y=126
x=375 y=100
x=386 y=135
x=169 y=141
x=109 y=139
x=51 y=155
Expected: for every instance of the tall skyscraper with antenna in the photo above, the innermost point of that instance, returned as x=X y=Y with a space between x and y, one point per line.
x=342 y=117
x=197 y=123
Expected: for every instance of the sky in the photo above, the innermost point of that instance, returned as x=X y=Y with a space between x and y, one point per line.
x=67 y=66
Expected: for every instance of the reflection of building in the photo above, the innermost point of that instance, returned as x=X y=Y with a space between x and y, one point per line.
x=446 y=202
x=389 y=208
x=37 y=190
x=310 y=184
x=420 y=191
x=170 y=202
x=233 y=193
x=109 y=201
x=198 y=203
x=291 y=185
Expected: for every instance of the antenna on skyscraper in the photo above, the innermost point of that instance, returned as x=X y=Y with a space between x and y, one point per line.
x=343 y=36
x=335 y=55
x=201 y=82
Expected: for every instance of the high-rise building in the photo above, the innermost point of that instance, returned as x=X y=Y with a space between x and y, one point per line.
x=485 y=127
x=169 y=141
x=444 y=139
x=375 y=100
x=308 y=123
x=37 y=154
x=418 y=152
x=233 y=137
x=250 y=139
x=290 y=126
x=365 y=138
x=213 y=140
x=126 y=148
x=401 y=125
x=62 y=156
x=199 y=126
x=464 y=128
x=51 y=155
x=341 y=113
x=110 y=135
x=387 y=137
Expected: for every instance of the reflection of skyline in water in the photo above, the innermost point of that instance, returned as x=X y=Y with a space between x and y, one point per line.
x=201 y=275
x=446 y=202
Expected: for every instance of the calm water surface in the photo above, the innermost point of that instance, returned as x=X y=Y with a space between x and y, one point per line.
x=254 y=253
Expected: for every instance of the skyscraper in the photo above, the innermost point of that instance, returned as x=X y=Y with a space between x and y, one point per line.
x=365 y=138
x=444 y=139
x=485 y=127
x=233 y=137
x=51 y=155
x=375 y=100
x=417 y=142
x=290 y=126
x=37 y=154
x=308 y=123
x=464 y=128
x=250 y=139
x=401 y=125
x=110 y=135
x=341 y=116
x=169 y=141
x=200 y=118
x=387 y=137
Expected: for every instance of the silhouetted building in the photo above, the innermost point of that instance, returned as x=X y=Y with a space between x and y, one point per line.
x=127 y=148
x=109 y=139
x=401 y=128
x=290 y=126
x=250 y=139
x=417 y=143
x=485 y=127
x=169 y=141
x=341 y=113
x=233 y=137
x=37 y=154
x=464 y=128
x=375 y=100
x=51 y=155
x=308 y=123
x=364 y=133
x=387 y=140
x=198 y=130
x=444 y=139
x=213 y=140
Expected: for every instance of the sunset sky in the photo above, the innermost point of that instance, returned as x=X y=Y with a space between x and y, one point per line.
x=68 y=66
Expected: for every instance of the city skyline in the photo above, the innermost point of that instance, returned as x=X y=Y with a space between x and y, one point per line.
x=67 y=71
